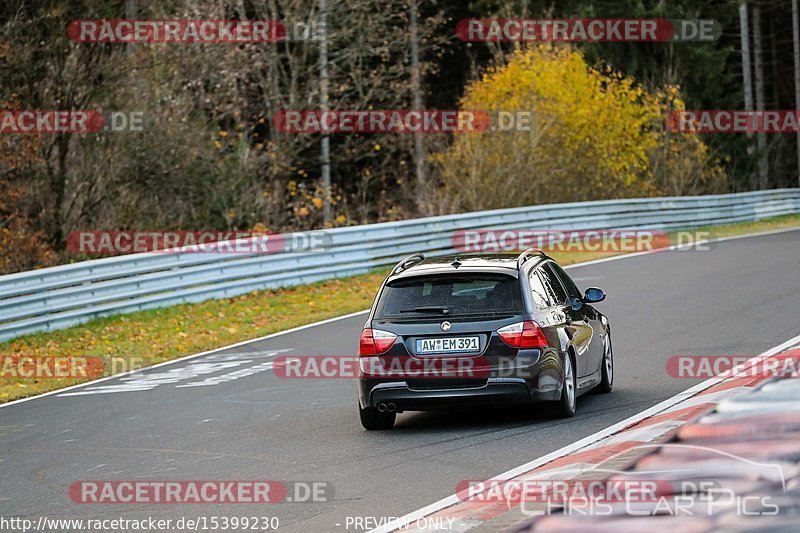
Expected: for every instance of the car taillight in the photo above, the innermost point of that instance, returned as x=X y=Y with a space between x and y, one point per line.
x=375 y=341
x=523 y=335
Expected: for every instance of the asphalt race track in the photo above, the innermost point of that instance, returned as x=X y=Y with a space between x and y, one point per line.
x=239 y=421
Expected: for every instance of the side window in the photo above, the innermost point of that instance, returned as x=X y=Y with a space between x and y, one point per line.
x=572 y=289
x=538 y=291
x=553 y=286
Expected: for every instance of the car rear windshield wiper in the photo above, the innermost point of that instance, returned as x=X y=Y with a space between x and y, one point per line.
x=428 y=308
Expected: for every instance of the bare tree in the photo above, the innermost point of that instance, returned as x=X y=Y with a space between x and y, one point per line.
x=761 y=137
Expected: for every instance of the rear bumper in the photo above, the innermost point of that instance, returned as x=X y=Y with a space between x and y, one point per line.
x=533 y=376
x=495 y=391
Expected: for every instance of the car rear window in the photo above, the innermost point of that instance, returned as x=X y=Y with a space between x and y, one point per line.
x=450 y=295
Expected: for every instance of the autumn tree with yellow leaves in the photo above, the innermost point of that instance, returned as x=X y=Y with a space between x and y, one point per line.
x=594 y=134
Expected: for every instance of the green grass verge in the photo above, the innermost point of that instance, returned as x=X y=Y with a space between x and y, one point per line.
x=148 y=337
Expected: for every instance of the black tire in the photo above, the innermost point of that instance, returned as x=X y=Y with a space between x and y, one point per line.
x=607 y=368
x=565 y=406
x=373 y=419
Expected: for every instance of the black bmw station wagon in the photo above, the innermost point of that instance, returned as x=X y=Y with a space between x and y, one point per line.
x=481 y=330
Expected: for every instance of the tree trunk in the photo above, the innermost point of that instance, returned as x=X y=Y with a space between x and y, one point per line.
x=416 y=89
x=761 y=138
x=796 y=39
x=323 y=89
x=747 y=80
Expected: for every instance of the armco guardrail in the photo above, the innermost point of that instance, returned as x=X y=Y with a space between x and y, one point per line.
x=62 y=296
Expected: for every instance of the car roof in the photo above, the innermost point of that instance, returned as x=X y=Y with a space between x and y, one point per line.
x=473 y=263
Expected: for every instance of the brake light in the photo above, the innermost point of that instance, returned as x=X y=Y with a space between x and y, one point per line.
x=523 y=335
x=375 y=341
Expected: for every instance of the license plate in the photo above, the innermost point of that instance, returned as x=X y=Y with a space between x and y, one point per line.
x=448 y=344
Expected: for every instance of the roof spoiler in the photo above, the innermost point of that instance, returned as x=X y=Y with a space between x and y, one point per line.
x=527 y=254
x=408 y=262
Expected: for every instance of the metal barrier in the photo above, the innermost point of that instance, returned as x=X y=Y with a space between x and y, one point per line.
x=62 y=296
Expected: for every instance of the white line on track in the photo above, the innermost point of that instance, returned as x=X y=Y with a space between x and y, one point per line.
x=306 y=326
x=185 y=358
x=411 y=518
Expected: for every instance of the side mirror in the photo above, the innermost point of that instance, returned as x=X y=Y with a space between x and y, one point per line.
x=594 y=295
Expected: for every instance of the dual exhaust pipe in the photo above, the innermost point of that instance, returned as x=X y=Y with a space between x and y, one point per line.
x=384 y=407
